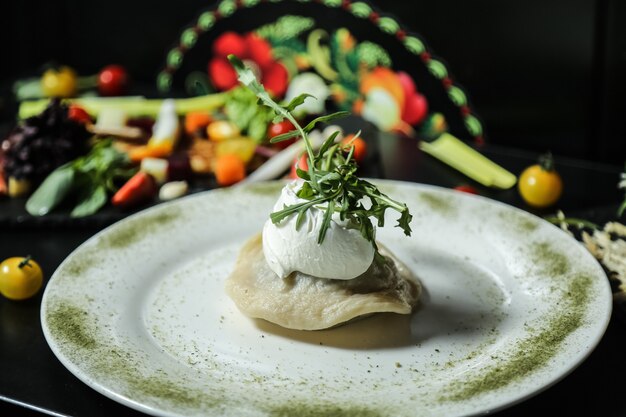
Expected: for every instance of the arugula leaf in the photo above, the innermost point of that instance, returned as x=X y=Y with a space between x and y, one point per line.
x=297 y=101
x=285 y=136
x=327 y=144
x=324 y=119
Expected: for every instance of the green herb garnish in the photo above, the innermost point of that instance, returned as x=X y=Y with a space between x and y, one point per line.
x=330 y=183
x=88 y=179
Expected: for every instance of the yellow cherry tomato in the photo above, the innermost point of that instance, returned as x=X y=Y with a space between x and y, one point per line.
x=20 y=278
x=59 y=82
x=540 y=185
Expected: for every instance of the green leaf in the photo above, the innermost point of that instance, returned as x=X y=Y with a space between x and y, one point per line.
x=405 y=219
x=300 y=219
x=278 y=216
x=297 y=101
x=328 y=143
x=372 y=55
x=285 y=136
x=247 y=78
x=303 y=174
x=328 y=216
x=51 y=191
x=90 y=201
x=324 y=119
x=306 y=192
x=257 y=129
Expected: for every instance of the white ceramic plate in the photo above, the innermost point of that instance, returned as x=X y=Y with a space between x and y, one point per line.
x=511 y=305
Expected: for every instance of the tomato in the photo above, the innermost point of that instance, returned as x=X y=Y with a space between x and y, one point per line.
x=78 y=114
x=540 y=185
x=466 y=189
x=113 y=80
x=59 y=82
x=276 y=129
x=360 y=147
x=20 y=278
x=302 y=162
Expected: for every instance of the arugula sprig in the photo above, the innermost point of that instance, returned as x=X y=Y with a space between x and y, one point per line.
x=330 y=183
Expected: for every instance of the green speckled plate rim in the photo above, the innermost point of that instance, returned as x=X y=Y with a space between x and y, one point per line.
x=361 y=9
x=602 y=292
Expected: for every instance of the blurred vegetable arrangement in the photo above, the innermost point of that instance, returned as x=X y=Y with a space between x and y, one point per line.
x=80 y=159
x=91 y=145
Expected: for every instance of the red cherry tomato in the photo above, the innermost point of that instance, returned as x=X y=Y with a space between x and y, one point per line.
x=113 y=80
x=415 y=109
x=302 y=162
x=230 y=43
x=275 y=79
x=360 y=147
x=276 y=129
x=222 y=75
x=466 y=189
x=78 y=114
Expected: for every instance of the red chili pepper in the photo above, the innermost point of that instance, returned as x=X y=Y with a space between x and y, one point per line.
x=78 y=114
x=139 y=189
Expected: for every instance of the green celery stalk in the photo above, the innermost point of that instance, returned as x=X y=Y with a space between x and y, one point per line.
x=133 y=106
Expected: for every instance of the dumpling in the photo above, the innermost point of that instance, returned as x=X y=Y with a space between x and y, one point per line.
x=304 y=302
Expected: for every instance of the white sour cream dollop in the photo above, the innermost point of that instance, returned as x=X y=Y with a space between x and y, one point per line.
x=344 y=253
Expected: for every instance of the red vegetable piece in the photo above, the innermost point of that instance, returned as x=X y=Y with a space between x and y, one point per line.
x=113 y=80
x=78 y=114
x=360 y=147
x=222 y=74
x=139 y=189
x=230 y=43
x=302 y=162
x=464 y=188
x=407 y=83
x=275 y=129
x=275 y=79
x=415 y=109
x=260 y=51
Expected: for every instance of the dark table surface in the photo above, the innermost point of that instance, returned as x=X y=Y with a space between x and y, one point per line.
x=33 y=381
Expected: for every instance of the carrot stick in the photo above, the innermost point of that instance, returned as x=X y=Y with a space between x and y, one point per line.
x=229 y=169
x=140 y=188
x=196 y=120
x=150 y=151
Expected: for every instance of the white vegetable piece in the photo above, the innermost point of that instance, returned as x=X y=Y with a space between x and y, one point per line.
x=381 y=109
x=312 y=84
x=157 y=167
x=111 y=118
x=167 y=124
x=280 y=162
x=173 y=189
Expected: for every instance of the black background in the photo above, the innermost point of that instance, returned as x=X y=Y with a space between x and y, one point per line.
x=541 y=74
